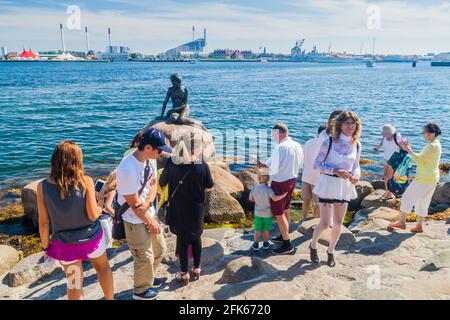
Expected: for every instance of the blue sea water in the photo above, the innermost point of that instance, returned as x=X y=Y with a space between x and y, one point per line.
x=102 y=105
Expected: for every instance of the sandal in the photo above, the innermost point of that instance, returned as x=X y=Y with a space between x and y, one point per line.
x=397 y=226
x=183 y=277
x=417 y=230
x=196 y=272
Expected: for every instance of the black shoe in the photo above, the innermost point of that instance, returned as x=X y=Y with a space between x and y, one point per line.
x=157 y=283
x=313 y=255
x=266 y=245
x=285 y=248
x=331 y=261
x=255 y=246
x=278 y=239
x=150 y=294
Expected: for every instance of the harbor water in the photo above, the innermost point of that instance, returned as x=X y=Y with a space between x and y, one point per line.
x=102 y=105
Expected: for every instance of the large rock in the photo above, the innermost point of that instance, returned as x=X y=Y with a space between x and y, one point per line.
x=363 y=188
x=219 y=163
x=374 y=200
x=29 y=201
x=226 y=181
x=221 y=207
x=212 y=252
x=249 y=178
x=30 y=269
x=373 y=213
x=377 y=184
x=442 y=194
x=247 y=269
x=8 y=258
x=175 y=133
x=346 y=240
x=440 y=260
x=368 y=226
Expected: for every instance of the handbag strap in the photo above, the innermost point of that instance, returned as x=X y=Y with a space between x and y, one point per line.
x=126 y=206
x=328 y=152
x=180 y=183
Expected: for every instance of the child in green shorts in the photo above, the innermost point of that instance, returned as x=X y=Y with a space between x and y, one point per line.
x=261 y=195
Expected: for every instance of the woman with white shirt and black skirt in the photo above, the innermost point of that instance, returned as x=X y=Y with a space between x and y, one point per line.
x=338 y=163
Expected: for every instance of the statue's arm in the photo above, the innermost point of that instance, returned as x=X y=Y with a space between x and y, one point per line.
x=186 y=96
x=166 y=100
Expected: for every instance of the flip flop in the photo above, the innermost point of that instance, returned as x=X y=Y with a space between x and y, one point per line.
x=396 y=226
x=417 y=230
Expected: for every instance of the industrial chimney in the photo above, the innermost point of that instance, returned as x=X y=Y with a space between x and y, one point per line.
x=62 y=38
x=109 y=37
x=87 y=40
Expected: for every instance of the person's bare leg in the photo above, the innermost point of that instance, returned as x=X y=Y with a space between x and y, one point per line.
x=287 y=214
x=105 y=275
x=283 y=225
x=385 y=178
x=257 y=236
x=305 y=209
x=338 y=219
x=326 y=213
x=74 y=275
x=266 y=236
x=389 y=174
x=316 y=211
x=401 y=224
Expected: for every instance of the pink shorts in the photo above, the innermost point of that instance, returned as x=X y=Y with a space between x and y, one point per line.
x=280 y=188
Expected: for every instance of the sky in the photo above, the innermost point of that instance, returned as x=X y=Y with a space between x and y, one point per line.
x=154 y=26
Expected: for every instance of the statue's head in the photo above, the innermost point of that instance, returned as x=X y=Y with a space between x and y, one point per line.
x=176 y=79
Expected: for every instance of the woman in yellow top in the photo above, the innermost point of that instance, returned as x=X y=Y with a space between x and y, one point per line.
x=419 y=194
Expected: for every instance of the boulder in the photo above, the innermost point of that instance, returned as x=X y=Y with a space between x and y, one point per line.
x=369 y=226
x=438 y=208
x=219 y=163
x=247 y=269
x=374 y=200
x=30 y=269
x=442 y=194
x=175 y=132
x=382 y=213
x=440 y=260
x=378 y=184
x=29 y=201
x=249 y=178
x=221 y=207
x=346 y=240
x=226 y=181
x=212 y=252
x=363 y=188
x=8 y=258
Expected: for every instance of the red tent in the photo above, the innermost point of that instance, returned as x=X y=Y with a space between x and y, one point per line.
x=28 y=54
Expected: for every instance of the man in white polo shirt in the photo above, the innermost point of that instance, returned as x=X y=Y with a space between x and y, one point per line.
x=283 y=167
x=143 y=233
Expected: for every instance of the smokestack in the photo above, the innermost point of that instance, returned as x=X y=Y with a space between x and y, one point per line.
x=62 y=38
x=204 y=35
x=87 y=40
x=193 y=33
x=109 y=37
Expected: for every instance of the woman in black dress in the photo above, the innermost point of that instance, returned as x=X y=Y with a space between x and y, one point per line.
x=187 y=208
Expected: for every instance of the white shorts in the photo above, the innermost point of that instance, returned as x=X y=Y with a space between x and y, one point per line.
x=105 y=242
x=418 y=196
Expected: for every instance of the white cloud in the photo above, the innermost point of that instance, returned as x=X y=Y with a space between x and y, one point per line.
x=405 y=28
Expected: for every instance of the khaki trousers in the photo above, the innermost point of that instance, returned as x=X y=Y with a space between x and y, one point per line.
x=147 y=250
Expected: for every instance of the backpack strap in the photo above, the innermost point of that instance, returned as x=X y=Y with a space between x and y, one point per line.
x=395 y=139
x=126 y=206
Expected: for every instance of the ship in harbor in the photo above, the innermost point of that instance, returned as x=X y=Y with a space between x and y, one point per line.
x=298 y=54
x=441 y=60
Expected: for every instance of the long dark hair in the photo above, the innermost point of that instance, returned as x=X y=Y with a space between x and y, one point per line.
x=433 y=128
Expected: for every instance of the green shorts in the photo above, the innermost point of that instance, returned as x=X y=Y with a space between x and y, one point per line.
x=262 y=224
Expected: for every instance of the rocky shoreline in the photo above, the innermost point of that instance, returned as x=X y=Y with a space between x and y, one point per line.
x=402 y=265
